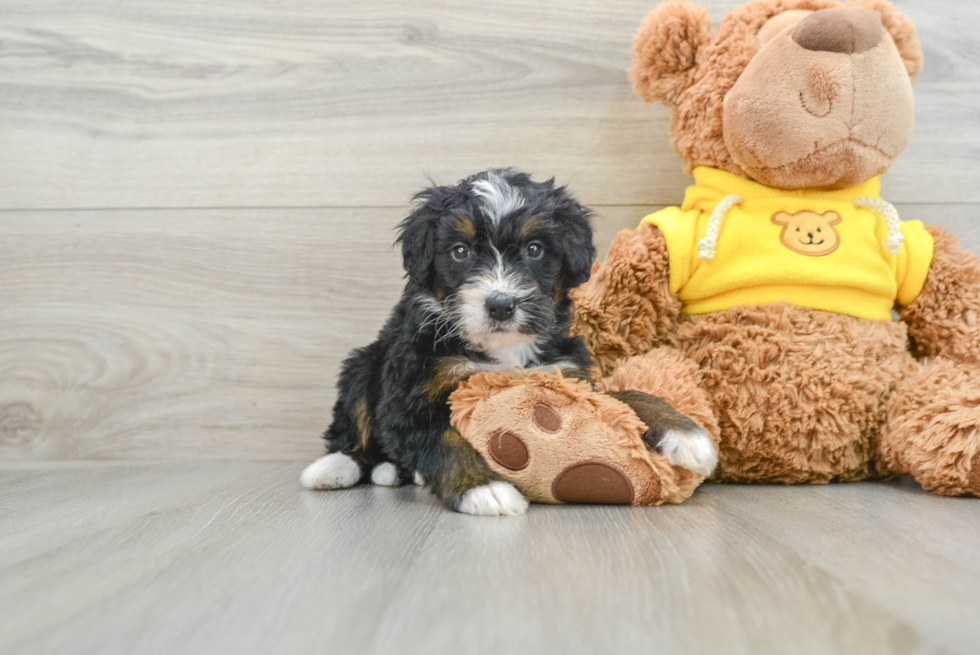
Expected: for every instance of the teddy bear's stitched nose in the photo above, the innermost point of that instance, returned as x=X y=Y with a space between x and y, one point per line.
x=847 y=30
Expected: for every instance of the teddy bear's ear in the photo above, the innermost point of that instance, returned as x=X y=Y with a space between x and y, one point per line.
x=782 y=218
x=903 y=33
x=665 y=50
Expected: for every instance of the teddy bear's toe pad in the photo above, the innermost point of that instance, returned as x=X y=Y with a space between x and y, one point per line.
x=547 y=419
x=508 y=450
x=593 y=482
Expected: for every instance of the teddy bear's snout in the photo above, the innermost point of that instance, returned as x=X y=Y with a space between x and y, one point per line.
x=847 y=30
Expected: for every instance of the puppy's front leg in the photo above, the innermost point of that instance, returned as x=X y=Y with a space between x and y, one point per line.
x=459 y=475
x=673 y=434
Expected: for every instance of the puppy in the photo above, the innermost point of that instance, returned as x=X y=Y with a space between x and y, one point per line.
x=489 y=264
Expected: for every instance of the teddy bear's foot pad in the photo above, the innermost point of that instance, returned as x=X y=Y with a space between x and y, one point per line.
x=593 y=482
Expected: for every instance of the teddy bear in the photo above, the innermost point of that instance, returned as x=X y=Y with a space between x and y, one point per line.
x=784 y=306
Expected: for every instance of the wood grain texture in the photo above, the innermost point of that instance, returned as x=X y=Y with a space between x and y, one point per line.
x=207 y=333
x=224 y=557
x=244 y=103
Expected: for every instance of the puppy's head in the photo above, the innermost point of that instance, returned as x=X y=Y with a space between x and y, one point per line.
x=496 y=255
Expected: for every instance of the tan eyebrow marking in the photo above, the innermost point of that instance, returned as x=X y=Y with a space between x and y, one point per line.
x=465 y=227
x=530 y=226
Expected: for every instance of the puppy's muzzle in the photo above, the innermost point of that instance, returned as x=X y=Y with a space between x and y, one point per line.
x=501 y=308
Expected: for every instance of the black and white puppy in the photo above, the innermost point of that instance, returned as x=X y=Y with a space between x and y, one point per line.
x=489 y=265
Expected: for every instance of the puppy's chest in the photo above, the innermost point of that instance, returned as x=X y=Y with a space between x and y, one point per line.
x=522 y=355
x=503 y=360
x=526 y=356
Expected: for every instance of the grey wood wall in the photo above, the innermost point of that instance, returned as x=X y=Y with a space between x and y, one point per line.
x=197 y=198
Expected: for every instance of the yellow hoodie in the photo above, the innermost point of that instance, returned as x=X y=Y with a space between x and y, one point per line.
x=826 y=250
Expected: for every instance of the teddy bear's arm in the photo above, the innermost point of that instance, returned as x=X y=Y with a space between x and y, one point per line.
x=626 y=308
x=944 y=320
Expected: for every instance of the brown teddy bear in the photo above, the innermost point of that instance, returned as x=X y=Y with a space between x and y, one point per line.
x=765 y=306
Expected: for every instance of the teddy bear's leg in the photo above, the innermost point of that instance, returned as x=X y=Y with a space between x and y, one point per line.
x=666 y=373
x=933 y=429
x=560 y=441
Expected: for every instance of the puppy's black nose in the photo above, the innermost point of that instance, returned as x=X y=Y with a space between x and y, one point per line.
x=501 y=308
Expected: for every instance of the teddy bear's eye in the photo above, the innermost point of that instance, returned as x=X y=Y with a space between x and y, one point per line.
x=818 y=229
x=797 y=229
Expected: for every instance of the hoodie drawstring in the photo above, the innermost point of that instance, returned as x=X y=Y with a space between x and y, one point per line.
x=893 y=243
x=706 y=246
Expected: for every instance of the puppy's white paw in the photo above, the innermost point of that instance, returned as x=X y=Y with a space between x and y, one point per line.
x=495 y=499
x=333 y=471
x=417 y=479
x=385 y=474
x=692 y=450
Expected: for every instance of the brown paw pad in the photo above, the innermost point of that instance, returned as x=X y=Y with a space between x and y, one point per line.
x=508 y=450
x=546 y=418
x=593 y=482
x=973 y=482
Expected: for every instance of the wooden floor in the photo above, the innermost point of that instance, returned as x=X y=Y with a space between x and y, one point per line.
x=233 y=557
x=196 y=210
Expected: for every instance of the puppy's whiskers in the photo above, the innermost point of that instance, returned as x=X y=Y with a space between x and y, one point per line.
x=443 y=319
x=436 y=314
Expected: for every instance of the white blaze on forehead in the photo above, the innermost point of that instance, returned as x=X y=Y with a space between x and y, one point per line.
x=497 y=281
x=498 y=197
x=500 y=280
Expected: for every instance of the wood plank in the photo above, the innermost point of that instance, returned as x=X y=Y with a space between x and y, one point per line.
x=258 y=565
x=205 y=333
x=244 y=103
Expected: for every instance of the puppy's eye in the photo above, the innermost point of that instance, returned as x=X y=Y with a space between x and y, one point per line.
x=461 y=252
x=535 y=250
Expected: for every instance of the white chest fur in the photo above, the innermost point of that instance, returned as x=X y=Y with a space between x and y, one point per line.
x=506 y=351
x=523 y=355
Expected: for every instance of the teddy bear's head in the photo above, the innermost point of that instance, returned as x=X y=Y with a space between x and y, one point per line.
x=790 y=93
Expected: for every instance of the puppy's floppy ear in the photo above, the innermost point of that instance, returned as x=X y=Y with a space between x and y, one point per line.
x=665 y=50
x=902 y=31
x=417 y=236
x=577 y=250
